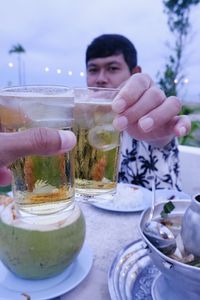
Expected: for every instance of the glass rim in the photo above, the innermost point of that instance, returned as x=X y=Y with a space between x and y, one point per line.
x=94 y=95
x=27 y=86
x=97 y=88
x=41 y=91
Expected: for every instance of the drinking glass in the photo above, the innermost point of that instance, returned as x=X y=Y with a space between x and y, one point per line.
x=41 y=184
x=98 y=143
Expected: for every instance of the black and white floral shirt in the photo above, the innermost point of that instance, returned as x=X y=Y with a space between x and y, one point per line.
x=139 y=160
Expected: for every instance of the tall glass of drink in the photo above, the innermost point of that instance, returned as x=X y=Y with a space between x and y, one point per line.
x=41 y=184
x=98 y=143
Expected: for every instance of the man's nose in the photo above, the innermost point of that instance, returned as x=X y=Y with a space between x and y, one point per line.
x=101 y=78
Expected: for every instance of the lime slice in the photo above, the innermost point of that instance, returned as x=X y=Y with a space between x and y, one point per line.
x=103 y=137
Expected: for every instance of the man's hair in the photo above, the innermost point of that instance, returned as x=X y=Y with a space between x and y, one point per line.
x=112 y=44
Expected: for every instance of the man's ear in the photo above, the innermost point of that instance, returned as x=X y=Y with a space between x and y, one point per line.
x=136 y=69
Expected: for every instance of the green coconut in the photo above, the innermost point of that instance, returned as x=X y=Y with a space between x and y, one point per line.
x=39 y=249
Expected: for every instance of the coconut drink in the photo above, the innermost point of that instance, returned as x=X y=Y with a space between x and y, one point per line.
x=42 y=230
x=39 y=248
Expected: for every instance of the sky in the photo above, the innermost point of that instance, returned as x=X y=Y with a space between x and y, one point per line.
x=55 y=34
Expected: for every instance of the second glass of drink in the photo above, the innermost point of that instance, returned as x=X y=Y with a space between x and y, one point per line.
x=98 y=143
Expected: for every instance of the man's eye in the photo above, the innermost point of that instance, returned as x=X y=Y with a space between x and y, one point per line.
x=92 y=71
x=113 y=69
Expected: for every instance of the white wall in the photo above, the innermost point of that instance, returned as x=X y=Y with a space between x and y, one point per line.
x=190 y=169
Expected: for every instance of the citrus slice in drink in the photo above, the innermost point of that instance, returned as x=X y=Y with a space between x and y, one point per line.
x=103 y=137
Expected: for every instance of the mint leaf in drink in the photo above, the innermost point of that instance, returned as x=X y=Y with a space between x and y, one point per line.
x=167 y=209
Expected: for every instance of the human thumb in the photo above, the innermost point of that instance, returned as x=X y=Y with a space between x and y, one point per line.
x=35 y=141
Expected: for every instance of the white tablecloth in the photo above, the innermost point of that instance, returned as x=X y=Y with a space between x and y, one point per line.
x=107 y=233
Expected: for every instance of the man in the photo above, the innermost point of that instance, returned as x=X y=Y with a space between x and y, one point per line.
x=150 y=121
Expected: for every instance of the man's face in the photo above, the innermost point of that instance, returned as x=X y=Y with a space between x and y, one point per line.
x=107 y=72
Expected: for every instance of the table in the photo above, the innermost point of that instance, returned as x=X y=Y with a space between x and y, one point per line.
x=106 y=233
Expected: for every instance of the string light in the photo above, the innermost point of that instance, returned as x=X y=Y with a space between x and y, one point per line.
x=175 y=81
x=58 y=71
x=10 y=64
x=185 y=81
x=70 y=73
x=82 y=74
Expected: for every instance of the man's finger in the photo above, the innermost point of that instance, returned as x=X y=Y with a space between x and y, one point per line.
x=183 y=126
x=161 y=115
x=131 y=92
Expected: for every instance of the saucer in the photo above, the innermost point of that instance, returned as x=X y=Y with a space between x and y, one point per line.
x=129 y=198
x=13 y=287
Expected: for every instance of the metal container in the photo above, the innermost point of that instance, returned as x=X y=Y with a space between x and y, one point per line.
x=183 y=279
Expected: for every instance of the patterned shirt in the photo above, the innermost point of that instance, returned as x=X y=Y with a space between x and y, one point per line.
x=139 y=160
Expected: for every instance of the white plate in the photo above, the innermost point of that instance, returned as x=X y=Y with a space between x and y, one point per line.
x=124 y=201
x=129 y=191
x=13 y=287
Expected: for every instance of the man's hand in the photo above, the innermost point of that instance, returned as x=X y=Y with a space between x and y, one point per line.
x=147 y=114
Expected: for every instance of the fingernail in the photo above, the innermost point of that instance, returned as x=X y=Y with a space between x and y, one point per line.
x=68 y=140
x=118 y=106
x=146 y=123
x=182 y=131
x=120 y=123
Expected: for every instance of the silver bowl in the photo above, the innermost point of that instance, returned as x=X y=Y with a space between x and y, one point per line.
x=183 y=279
